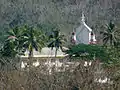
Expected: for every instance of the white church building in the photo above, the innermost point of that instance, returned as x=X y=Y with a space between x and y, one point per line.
x=83 y=34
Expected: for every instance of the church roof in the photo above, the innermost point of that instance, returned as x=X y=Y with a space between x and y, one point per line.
x=83 y=24
x=88 y=28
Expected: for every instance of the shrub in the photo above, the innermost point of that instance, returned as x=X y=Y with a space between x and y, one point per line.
x=89 y=52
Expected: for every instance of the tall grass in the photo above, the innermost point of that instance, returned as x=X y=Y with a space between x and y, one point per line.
x=72 y=76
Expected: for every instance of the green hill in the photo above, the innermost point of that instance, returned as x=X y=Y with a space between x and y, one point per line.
x=65 y=13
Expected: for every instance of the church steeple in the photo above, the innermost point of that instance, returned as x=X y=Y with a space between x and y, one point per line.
x=83 y=17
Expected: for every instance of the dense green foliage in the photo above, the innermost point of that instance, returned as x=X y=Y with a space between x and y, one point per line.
x=12 y=43
x=21 y=39
x=88 y=52
x=110 y=34
x=33 y=39
x=56 y=40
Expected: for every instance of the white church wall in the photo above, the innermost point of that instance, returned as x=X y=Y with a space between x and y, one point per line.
x=85 y=34
x=82 y=35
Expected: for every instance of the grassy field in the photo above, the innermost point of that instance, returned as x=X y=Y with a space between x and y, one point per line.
x=51 y=76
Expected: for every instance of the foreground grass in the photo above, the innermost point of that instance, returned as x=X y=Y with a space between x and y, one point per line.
x=74 y=77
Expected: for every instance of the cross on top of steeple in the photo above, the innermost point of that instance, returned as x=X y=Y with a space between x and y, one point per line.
x=83 y=17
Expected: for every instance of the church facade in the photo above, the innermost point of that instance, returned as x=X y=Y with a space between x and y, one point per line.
x=83 y=34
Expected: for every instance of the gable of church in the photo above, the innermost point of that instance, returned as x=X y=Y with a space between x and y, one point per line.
x=82 y=34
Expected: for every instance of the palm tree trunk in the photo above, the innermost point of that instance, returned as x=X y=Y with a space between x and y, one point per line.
x=55 y=52
x=111 y=42
x=30 y=53
x=30 y=56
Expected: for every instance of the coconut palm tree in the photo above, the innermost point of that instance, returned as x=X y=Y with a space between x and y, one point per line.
x=11 y=44
x=56 y=40
x=33 y=39
x=13 y=35
x=8 y=49
x=109 y=34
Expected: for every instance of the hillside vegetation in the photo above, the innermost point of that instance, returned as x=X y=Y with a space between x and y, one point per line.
x=65 y=13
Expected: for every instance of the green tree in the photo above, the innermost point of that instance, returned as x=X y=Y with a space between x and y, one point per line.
x=8 y=49
x=33 y=39
x=88 y=52
x=57 y=40
x=16 y=36
x=12 y=42
x=109 y=34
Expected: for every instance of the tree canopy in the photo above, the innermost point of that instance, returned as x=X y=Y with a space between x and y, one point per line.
x=88 y=52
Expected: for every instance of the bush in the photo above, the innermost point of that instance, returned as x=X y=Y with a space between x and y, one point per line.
x=88 y=52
